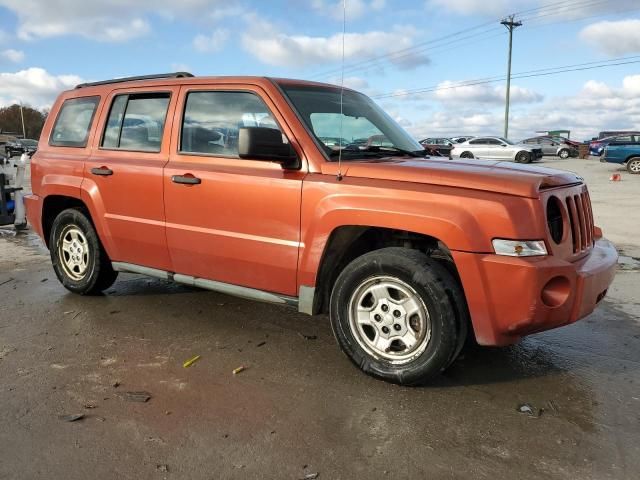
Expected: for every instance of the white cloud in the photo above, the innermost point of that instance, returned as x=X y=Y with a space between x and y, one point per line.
x=267 y=43
x=448 y=92
x=614 y=38
x=34 y=86
x=15 y=56
x=596 y=107
x=104 y=20
x=211 y=43
x=354 y=8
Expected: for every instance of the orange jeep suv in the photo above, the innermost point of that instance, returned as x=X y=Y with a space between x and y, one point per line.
x=226 y=183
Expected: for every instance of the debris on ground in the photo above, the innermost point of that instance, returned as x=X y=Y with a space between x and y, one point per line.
x=76 y=315
x=238 y=370
x=527 y=409
x=141 y=397
x=308 y=337
x=552 y=406
x=311 y=476
x=71 y=418
x=191 y=361
x=89 y=405
x=260 y=344
x=115 y=384
x=162 y=467
x=44 y=280
x=616 y=177
x=6 y=281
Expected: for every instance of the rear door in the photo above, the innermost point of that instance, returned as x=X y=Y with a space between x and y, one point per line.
x=124 y=174
x=229 y=219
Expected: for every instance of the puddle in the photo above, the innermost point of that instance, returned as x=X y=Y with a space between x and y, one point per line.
x=628 y=263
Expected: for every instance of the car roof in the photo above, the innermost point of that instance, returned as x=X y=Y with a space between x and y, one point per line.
x=87 y=89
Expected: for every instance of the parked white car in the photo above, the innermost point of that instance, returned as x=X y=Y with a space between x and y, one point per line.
x=496 y=148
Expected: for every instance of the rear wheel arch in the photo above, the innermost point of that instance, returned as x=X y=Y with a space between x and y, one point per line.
x=53 y=205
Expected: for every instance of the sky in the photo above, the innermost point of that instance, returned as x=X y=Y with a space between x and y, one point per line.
x=436 y=66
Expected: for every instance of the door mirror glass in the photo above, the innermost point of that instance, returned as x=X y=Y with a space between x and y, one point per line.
x=263 y=143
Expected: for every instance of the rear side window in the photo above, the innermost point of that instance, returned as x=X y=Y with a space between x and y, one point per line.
x=479 y=141
x=74 y=122
x=212 y=119
x=136 y=122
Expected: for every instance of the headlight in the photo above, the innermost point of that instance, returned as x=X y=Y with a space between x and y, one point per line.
x=519 y=248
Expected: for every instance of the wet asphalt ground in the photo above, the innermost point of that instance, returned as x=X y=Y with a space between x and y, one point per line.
x=299 y=408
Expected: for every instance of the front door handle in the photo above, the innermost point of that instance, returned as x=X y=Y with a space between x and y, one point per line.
x=104 y=171
x=186 y=179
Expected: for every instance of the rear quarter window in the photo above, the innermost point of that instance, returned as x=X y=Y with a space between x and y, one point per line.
x=73 y=123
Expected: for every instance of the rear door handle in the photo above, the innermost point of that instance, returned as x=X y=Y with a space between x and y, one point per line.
x=104 y=171
x=186 y=179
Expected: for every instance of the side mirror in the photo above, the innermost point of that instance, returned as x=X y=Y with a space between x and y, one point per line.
x=261 y=143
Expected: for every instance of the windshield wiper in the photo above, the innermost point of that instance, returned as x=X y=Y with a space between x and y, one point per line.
x=376 y=150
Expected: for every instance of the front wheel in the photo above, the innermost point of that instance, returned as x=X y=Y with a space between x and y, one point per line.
x=633 y=165
x=398 y=315
x=78 y=258
x=523 y=157
x=564 y=153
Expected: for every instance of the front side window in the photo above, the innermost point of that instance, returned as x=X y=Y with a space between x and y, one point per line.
x=74 y=122
x=136 y=122
x=352 y=116
x=211 y=121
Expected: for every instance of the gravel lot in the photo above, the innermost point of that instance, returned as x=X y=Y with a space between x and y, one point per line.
x=300 y=408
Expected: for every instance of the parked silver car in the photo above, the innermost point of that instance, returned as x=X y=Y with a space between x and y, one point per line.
x=558 y=146
x=496 y=148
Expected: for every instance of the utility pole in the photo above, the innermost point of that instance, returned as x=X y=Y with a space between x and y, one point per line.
x=24 y=132
x=511 y=26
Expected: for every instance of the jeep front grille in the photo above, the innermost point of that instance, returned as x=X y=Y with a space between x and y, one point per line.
x=580 y=221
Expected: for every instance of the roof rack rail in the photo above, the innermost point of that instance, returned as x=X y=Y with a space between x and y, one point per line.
x=141 y=77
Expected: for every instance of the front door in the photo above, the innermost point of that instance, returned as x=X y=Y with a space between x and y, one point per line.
x=229 y=219
x=124 y=175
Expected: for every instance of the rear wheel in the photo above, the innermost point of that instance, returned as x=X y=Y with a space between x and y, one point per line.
x=564 y=153
x=523 y=157
x=78 y=258
x=633 y=165
x=466 y=155
x=398 y=315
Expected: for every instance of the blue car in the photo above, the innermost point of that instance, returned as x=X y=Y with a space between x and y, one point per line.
x=624 y=154
x=596 y=147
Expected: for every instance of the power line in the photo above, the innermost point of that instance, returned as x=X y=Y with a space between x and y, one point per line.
x=526 y=74
x=409 y=51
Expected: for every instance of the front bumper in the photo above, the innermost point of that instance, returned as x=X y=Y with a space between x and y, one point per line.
x=511 y=297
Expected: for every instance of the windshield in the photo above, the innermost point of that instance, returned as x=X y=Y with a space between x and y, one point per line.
x=364 y=128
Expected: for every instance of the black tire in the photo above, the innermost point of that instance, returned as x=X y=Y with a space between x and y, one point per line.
x=523 y=157
x=436 y=288
x=466 y=155
x=98 y=275
x=633 y=165
x=564 y=153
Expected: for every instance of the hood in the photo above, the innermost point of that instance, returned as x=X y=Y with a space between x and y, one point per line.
x=491 y=176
